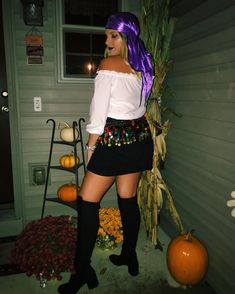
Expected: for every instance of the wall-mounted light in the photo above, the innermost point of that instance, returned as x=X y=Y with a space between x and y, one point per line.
x=32 y=12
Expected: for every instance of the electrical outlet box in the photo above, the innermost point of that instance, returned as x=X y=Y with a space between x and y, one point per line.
x=37 y=103
x=37 y=174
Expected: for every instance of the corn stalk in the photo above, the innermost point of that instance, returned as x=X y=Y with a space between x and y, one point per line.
x=156 y=31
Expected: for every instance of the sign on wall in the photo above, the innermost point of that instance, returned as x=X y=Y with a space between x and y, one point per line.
x=34 y=46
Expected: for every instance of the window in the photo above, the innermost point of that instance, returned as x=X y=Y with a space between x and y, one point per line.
x=81 y=36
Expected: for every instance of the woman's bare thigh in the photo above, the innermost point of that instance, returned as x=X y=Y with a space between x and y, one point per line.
x=126 y=185
x=95 y=186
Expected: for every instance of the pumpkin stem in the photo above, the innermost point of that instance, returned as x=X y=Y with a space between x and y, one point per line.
x=64 y=124
x=188 y=236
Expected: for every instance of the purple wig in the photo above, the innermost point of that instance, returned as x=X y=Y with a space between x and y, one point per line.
x=138 y=57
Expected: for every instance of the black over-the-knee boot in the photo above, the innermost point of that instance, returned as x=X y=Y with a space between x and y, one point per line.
x=130 y=216
x=88 y=224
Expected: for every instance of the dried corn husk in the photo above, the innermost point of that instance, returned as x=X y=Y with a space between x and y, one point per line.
x=156 y=31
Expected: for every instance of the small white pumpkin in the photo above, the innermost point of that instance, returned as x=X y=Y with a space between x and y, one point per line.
x=66 y=134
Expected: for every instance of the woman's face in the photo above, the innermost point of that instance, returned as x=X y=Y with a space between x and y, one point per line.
x=114 y=42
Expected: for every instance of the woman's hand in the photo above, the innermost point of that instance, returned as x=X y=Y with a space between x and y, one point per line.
x=90 y=146
x=88 y=156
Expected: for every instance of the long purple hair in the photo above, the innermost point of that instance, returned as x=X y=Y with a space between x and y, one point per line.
x=138 y=57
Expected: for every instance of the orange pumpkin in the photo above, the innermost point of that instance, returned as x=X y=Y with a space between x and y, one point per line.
x=68 y=160
x=187 y=259
x=68 y=192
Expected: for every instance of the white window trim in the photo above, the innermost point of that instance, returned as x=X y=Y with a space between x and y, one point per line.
x=59 y=45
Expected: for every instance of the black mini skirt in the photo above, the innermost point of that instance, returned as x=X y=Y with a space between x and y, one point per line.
x=126 y=146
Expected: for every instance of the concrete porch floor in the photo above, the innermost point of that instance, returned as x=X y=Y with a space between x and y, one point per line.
x=153 y=278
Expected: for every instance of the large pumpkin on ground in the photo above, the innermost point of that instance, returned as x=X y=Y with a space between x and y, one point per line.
x=187 y=259
x=68 y=160
x=68 y=192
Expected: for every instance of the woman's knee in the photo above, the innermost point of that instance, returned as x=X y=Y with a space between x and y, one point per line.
x=126 y=193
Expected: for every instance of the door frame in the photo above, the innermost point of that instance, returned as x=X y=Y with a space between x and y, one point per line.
x=14 y=225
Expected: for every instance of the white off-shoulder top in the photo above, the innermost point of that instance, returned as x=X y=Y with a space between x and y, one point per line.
x=116 y=95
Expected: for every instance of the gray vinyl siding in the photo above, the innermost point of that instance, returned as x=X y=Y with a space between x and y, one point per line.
x=30 y=134
x=200 y=164
x=60 y=101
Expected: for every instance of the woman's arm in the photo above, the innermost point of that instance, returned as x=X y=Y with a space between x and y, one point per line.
x=100 y=103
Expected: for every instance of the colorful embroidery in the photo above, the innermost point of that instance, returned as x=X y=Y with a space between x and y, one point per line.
x=122 y=132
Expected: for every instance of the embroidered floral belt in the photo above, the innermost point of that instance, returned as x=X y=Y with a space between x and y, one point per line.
x=121 y=132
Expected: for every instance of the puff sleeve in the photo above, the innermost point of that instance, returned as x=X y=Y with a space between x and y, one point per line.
x=100 y=103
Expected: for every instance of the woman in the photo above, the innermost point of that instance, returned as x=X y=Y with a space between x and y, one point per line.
x=119 y=147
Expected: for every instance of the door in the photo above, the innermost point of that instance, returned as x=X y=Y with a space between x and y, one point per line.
x=6 y=180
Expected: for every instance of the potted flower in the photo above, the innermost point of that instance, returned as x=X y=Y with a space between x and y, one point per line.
x=46 y=247
x=110 y=229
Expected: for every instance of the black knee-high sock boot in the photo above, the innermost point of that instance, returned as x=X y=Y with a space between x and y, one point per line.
x=88 y=224
x=130 y=216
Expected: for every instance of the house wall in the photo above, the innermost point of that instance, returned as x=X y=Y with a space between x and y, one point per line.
x=200 y=164
x=30 y=132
